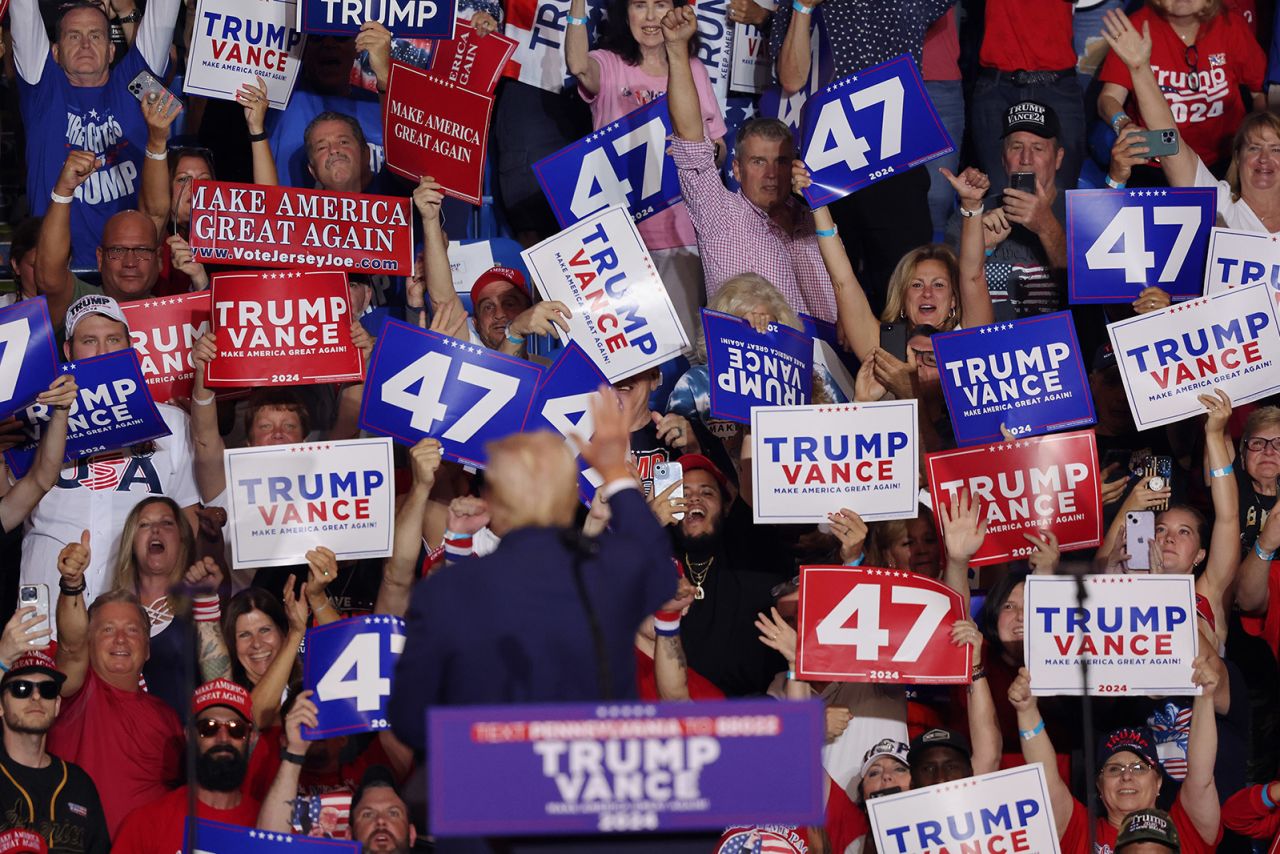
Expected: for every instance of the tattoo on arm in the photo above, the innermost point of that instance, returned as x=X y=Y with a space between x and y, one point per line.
x=675 y=649
x=215 y=662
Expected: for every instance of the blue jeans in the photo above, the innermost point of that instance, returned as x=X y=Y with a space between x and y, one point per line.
x=948 y=100
x=1086 y=25
x=993 y=95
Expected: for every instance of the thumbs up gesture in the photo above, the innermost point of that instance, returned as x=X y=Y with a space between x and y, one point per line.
x=73 y=560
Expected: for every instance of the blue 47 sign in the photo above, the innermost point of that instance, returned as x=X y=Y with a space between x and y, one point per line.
x=424 y=384
x=1121 y=241
x=624 y=163
x=563 y=404
x=864 y=128
x=28 y=362
x=216 y=837
x=349 y=665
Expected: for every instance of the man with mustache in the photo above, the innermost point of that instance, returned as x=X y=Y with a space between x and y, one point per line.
x=223 y=729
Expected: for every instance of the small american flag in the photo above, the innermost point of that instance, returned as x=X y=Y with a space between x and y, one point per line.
x=754 y=840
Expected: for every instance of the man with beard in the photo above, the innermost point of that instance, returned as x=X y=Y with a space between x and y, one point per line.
x=40 y=792
x=716 y=543
x=379 y=816
x=223 y=725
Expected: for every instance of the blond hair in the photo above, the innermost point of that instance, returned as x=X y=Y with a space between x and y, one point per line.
x=1252 y=122
x=896 y=299
x=125 y=575
x=740 y=295
x=532 y=481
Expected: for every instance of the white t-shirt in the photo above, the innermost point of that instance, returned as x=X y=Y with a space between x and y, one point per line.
x=97 y=494
x=1233 y=214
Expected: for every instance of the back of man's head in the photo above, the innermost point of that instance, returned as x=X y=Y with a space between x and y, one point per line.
x=532 y=481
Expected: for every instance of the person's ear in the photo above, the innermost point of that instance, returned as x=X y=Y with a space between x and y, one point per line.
x=737 y=169
x=1057 y=164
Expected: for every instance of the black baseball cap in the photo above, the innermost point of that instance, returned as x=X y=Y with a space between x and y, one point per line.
x=1150 y=825
x=938 y=737
x=1032 y=117
x=1137 y=740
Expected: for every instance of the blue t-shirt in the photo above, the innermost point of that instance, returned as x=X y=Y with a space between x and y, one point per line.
x=287 y=127
x=103 y=119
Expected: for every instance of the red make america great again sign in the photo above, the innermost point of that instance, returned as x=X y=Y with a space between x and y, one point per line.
x=257 y=226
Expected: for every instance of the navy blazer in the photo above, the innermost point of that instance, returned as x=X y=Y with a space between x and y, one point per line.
x=510 y=627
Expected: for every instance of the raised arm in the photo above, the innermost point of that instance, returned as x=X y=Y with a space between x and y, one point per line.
x=963 y=531
x=577 y=49
x=1037 y=747
x=796 y=54
x=1224 y=542
x=205 y=579
x=55 y=233
x=72 y=656
x=23 y=497
x=30 y=39
x=1199 y=792
x=253 y=97
x=984 y=727
x=277 y=807
x=1134 y=51
x=400 y=570
x=269 y=691
x=156 y=199
x=155 y=33
x=428 y=198
x=322 y=569
x=1253 y=584
x=975 y=299
x=206 y=439
x=670 y=668
x=678 y=27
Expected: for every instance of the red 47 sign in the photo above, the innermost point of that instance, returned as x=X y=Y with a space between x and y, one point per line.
x=860 y=624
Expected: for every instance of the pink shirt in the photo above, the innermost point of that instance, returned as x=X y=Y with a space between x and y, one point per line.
x=624 y=89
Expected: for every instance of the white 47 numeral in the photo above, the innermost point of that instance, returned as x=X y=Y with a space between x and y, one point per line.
x=367 y=686
x=426 y=406
x=14 y=335
x=1128 y=226
x=868 y=638
x=597 y=170
x=834 y=140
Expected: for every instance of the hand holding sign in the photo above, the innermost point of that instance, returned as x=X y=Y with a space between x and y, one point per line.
x=350 y=664
x=303 y=714
x=376 y=39
x=253 y=97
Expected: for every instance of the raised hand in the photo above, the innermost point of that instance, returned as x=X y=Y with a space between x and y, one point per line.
x=73 y=560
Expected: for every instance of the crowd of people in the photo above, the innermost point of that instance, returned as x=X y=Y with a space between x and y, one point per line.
x=515 y=590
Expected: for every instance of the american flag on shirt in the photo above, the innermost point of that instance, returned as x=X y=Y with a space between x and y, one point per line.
x=1171 y=727
x=308 y=810
x=756 y=841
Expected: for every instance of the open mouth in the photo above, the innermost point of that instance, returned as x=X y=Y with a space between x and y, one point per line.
x=156 y=547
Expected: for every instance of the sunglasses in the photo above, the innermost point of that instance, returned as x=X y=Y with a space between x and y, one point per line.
x=208 y=728
x=22 y=688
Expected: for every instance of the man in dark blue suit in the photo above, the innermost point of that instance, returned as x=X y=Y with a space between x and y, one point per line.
x=549 y=616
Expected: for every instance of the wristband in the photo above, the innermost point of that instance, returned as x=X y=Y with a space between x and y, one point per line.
x=827 y=232
x=258 y=137
x=151 y=155
x=515 y=339
x=801 y=8
x=71 y=591
x=966 y=213
x=4 y=667
x=62 y=200
x=1114 y=121
x=1257 y=549
x=1115 y=185
x=979 y=672
x=666 y=623
x=1266 y=798
x=295 y=758
x=581 y=22
x=791 y=676
x=1222 y=472
x=457 y=545
x=206 y=608
x=1028 y=734
x=208 y=401
x=857 y=561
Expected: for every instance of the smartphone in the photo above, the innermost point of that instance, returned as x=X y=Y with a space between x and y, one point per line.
x=1158 y=473
x=1159 y=143
x=38 y=595
x=1139 y=531
x=1024 y=181
x=665 y=474
x=1120 y=457
x=893 y=340
x=145 y=85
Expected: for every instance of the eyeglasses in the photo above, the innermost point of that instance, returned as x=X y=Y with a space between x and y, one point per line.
x=21 y=689
x=208 y=728
x=1115 y=769
x=926 y=358
x=1192 y=57
x=140 y=253
x=1258 y=443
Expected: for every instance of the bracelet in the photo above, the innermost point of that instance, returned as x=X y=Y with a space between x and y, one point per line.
x=801 y=8
x=1028 y=734
x=515 y=339
x=1222 y=472
x=151 y=155
x=258 y=137
x=791 y=676
x=979 y=672
x=1257 y=549
x=328 y=603
x=826 y=232
x=295 y=758
x=132 y=18
x=206 y=608
x=208 y=401
x=857 y=561
x=666 y=623
x=62 y=200
x=1266 y=798
x=966 y=213
x=72 y=591
x=581 y=22
x=4 y=667
x=416 y=309
x=1114 y=121
x=1115 y=185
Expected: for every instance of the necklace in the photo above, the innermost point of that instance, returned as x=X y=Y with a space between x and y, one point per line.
x=698 y=574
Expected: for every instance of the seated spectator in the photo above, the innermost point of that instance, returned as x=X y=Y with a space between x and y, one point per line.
x=1202 y=55
x=74 y=822
x=83 y=497
x=760 y=228
x=224 y=729
x=74 y=101
x=128 y=741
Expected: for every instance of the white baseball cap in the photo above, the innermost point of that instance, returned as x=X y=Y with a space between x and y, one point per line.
x=93 y=304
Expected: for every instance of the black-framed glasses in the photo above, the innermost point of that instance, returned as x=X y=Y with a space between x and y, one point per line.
x=140 y=253
x=1258 y=443
x=21 y=689
x=208 y=728
x=1192 y=57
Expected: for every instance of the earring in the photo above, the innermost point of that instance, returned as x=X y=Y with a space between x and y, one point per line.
x=953 y=310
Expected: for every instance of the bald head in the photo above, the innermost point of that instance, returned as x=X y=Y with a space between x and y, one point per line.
x=128 y=258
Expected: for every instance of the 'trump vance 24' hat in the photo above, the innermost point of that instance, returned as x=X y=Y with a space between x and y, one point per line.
x=1032 y=117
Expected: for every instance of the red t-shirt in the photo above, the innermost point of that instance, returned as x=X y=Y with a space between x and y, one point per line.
x=1227 y=55
x=1267 y=626
x=157 y=827
x=1075 y=840
x=129 y=742
x=1028 y=35
x=941 y=57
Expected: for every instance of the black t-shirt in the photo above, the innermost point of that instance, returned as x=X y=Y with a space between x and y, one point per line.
x=1253 y=508
x=77 y=824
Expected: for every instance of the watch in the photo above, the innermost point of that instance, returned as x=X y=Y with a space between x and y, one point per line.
x=132 y=18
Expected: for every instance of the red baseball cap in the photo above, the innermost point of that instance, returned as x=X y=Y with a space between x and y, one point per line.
x=223 y=692
x=35 y=661
x=498 y=273
x=697 y=462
